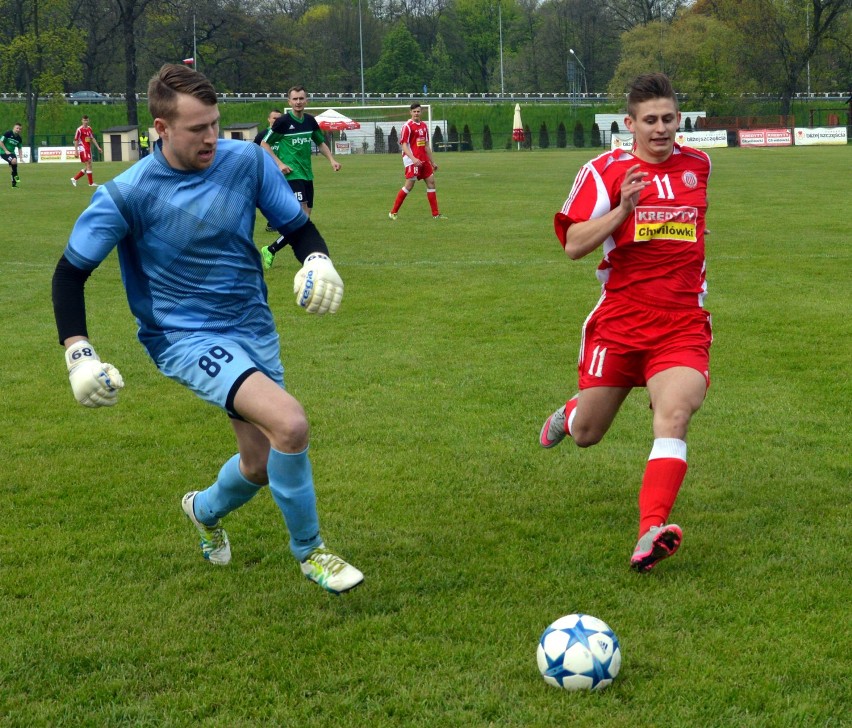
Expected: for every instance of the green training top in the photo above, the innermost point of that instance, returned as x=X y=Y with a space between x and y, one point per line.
x=11 y=141
x=291 y=139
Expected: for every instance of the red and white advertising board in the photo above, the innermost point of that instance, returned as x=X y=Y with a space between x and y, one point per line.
x=57 y=154
x=765 y=137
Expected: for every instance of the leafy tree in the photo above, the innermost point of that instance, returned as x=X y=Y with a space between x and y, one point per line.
x=561 y=136
x=596 y=135
x=40 y=54
x=487 y=141
x=442 y=76
x=700 y=57
x=543 y=136
x=782 y=36
x=587 y=27
x=579 y=137
x=471 y=33
x=393 y=141
x=129 y=13
x=629 y=14
x=400 y=66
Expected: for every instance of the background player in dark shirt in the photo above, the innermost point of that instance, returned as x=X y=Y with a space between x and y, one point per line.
x=10 y=143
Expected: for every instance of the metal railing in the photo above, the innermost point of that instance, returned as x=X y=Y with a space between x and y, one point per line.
x=357 y=98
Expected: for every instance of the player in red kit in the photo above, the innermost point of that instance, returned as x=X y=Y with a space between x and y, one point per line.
x=418 y=162
x=646 y=209
x=83 y=140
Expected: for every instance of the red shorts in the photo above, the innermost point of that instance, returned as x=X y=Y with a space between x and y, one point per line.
x=419 y=172
x=84 y=154
x=625 y=344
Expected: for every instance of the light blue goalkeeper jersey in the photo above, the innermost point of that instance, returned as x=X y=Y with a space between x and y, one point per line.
x=185 y=246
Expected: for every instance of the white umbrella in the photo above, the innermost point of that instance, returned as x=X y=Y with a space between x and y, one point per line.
x=517 y=127
x=331 y=120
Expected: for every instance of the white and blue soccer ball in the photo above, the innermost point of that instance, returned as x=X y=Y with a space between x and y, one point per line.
x=579 y=652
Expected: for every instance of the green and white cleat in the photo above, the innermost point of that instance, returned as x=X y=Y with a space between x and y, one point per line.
x=215 y=546
x=331 y=572
x=267 y=256
x=392 y=215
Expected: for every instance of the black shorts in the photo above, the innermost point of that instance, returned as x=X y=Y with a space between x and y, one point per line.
x=7 y=157
x=304 y=191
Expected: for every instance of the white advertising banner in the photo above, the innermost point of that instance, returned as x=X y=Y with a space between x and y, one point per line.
x=342 y=148
x=820 y=135
x=57 y=154
x=621 y=140
x=702 y=139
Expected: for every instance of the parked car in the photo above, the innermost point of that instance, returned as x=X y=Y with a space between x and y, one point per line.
x=88 y=97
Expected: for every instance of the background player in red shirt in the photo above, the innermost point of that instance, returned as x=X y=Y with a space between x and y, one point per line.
x=649 y=329
x=418 y=162
x=83 y=140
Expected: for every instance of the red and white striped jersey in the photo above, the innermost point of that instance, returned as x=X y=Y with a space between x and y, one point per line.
x=657 y=255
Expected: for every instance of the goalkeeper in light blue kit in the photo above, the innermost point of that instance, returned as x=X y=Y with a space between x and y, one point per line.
x=182 y=220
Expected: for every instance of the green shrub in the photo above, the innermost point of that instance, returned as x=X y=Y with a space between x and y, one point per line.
x=579 y=136
x=543 y=136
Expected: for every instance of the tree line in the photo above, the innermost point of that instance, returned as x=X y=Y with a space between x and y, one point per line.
x=711 y=48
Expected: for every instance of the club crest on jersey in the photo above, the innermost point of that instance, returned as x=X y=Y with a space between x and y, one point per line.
x=666 y=223
x=690 y=179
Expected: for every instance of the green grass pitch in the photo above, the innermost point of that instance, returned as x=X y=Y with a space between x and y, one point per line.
x=456 y=338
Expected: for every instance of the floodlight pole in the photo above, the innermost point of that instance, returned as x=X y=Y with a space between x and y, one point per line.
x=361 y=42
x=194 y=51
x=500 y=22
x=585 y=80
x=808 y=32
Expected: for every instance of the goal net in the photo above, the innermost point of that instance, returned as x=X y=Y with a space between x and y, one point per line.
x=380 y=127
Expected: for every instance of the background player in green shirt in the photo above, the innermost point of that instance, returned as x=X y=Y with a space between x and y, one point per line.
x=10 y=143
x=289 y=142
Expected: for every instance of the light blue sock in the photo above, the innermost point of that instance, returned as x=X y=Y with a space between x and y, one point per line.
x=228 y=493
x=291 y=483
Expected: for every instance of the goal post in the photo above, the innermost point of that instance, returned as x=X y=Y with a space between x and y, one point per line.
x=377 y=123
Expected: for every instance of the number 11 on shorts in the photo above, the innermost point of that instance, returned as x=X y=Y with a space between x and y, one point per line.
x=596 y=367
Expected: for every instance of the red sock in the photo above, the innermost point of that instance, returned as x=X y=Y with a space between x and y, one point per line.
x=570 y=406
x=663 y=477
x=89 y=175
x=400 y=198
x=432 y=196
x=80 y=174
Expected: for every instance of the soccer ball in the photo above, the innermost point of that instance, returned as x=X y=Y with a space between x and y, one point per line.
x=579 y=652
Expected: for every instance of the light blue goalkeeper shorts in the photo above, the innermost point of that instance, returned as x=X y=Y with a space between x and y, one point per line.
x=214 y=365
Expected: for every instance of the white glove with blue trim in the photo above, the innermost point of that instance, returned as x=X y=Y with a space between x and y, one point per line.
x=95 y=384
x=317 y=285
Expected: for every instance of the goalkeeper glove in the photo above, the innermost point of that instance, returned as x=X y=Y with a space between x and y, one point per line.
x=94 y=384
x=318 y=287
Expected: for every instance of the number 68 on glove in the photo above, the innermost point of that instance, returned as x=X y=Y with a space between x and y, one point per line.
x=317 y=285
x=94 y=383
